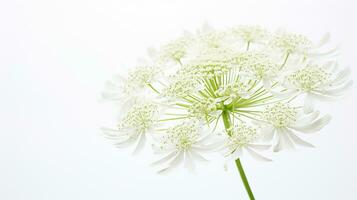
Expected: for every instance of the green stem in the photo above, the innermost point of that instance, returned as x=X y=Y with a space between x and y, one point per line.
x=152 y=87
x=227 y=125
x=285 y=60
x=248 y=44
x=244 y=179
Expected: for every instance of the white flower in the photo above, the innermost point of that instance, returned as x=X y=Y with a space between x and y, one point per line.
x=238 y=79
x=124 y=89
x=140 y=121
x=212 y=39
x=181 y=86
x=205 y=108
x=231 y=91
x=259 y=65
x=290 y=43
x=250 y=34
x=318 y=82
x=141 y=77
x=182 y=143
x=175 y=50
x=243 y=137
x=284 y=121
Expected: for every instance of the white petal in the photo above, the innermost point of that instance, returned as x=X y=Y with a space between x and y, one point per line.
x=322 y=97
x=307 y=118
x=266 y=83
x=314 y=126
x=284 y=142
x=189 y=164
x=159 y=150
x=256 y=155
x=173 y=164
x=308 y=103
x=297 y=140
x=341 y=76
x=339 y=90
x=197 y=156
x=140 y=145
x=267 y=133
x=165 y=158
x=125 y=143
x=112 y=133
x=331 y=52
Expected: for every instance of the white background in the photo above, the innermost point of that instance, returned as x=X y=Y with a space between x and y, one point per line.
x=56 y=55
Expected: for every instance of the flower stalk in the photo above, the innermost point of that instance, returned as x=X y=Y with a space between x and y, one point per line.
x=227 y=125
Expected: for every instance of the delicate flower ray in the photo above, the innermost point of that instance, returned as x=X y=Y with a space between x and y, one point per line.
x=139 y=121
x=318 y=83
x=291 y=43
x=284 y=121
x=175 y=50
x=256 y=85
x=250 y=34
x=244 y=137
x=181 y=144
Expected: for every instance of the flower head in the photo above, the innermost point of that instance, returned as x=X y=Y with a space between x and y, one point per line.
x=255 y=85
x=250 y=33
x=258 y=64
x=244 y=137
x=291 y=43
x=284 y=121
x=181 y=144
x=309 y=78
x=280 y=115
x=321 y=82
x=138 y=121
x=176 y=50
x=140 y=77
x=203 y=108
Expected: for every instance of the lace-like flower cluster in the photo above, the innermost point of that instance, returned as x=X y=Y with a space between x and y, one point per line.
x=279 y=115
x=259 y=88
x=291 y=43
x=309 y=78
x=259 y=64
x=251 y=33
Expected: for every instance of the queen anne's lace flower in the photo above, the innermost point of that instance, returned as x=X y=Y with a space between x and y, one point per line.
x=204 y=108
x=283 y=121
x=291 y=43
x=182 y=143
x=181 y=86
x=317 y=82
x=123 y=89
x=140 y=77
x=175 y=50
x=244 y=137
x=257 y=64
x=250 y=33
x=232 y=91
x=244 y=80
x=139 y=121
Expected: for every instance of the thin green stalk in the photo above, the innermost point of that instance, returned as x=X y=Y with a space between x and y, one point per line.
x=285 y=60
x=248 y=44
x=244 y=179
x=227 y=125
x=152 y=87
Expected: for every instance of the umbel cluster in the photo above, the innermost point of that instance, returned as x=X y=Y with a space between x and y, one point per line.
x=240 y=90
